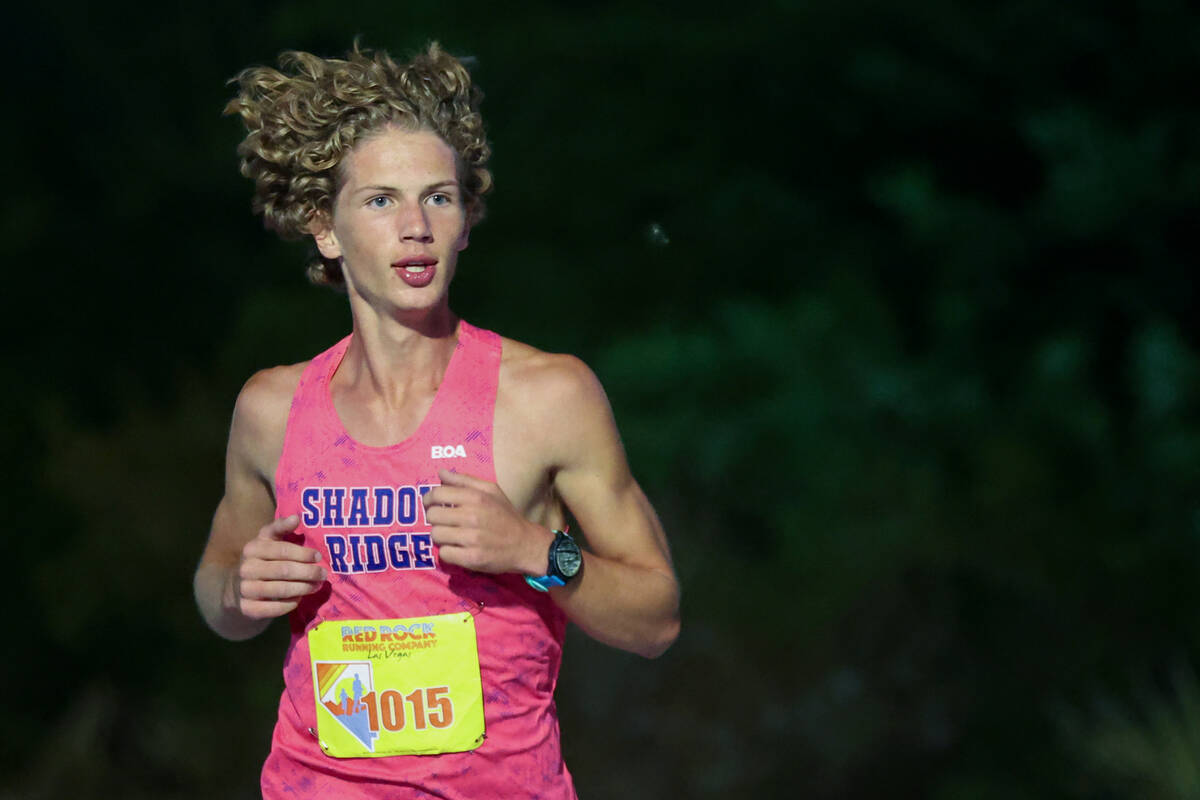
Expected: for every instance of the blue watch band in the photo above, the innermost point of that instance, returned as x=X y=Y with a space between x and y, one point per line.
x=543 y=583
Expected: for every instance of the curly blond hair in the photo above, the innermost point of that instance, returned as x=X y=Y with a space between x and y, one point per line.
x=304 y=118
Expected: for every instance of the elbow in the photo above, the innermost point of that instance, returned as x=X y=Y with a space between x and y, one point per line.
x=667 y=631
x=208 y=588
x=662 y=642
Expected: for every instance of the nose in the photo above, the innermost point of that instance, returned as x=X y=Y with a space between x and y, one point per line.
x=413 y=223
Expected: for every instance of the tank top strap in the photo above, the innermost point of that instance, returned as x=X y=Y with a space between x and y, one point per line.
x=307 y=425
x=478 y=370
x=464 y=411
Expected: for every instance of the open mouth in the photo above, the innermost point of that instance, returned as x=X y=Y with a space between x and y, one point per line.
x=416 y=272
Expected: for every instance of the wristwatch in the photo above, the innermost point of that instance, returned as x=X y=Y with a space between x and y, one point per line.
x=566 y=559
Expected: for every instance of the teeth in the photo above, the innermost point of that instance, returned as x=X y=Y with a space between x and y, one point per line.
x=417 y=269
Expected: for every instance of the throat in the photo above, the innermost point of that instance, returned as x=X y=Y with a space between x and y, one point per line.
x=383 y=394
x=376 y=422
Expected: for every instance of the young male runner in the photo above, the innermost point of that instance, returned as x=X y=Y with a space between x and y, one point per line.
x=401 y=495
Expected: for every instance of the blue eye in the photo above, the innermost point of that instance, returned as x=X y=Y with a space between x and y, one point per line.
x=378 y=202
x=440 y=199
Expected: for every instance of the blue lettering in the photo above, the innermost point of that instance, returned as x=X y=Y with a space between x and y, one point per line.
x=398 y=551
x=366 y=507
x=333 y=507
x=422 y=547
x=337 y=552
x=376 y=561
x=384 y=497
x=358 y=507
x=356 y=564
x=309 y=501
x=421 y=506
x=408 y=505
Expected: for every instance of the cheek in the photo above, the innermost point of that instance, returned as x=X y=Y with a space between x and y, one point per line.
x=361 y=238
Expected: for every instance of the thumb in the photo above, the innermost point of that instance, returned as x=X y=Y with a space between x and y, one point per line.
x=279 y=528
x=449 y=478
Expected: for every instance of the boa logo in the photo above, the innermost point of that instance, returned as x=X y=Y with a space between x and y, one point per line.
x=449 y=451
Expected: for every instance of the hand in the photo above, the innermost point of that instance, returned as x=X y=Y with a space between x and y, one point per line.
x=274 y=574
x=476 y=526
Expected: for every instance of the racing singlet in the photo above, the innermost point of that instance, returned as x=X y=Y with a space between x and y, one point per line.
x=407 y=677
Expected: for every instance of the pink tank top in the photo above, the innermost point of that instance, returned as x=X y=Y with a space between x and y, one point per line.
x=352 y=500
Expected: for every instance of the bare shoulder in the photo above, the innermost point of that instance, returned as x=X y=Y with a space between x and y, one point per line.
x=556 y=402
x=267 y=396
x=260 y=416
x=541 y=380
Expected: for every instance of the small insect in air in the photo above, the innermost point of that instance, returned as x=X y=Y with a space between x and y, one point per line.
x=657 y=235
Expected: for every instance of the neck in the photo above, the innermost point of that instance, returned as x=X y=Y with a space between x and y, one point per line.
x=390 y=357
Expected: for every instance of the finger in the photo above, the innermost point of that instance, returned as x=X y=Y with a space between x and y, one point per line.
x=255 y=569
x=449 y=554
x=449 y=478
x=277 y=590
x=269 y=550
x=455 y=516
x=449 y=535
x=262 y=609
x=449 y=496
x=466 y=557
x=279 y=528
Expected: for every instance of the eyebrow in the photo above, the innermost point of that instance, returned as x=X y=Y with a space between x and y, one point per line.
x=382 y=188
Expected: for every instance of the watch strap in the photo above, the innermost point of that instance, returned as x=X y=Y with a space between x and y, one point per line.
x=543 y=583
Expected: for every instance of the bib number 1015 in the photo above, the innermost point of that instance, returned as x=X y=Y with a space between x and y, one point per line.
x=429 y=707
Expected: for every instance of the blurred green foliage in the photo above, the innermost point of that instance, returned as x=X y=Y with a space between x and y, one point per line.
x=895 y=305
x=1151 y=751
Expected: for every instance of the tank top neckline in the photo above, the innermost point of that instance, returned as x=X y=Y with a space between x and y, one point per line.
x=465 y=335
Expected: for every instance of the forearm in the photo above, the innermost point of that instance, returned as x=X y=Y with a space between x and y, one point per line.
x=217 y=599
x=632 y=608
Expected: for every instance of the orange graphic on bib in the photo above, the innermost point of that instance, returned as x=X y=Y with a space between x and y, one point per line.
x=344 y=688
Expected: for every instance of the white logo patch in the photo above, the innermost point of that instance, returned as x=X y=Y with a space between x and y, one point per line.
x=448 y=451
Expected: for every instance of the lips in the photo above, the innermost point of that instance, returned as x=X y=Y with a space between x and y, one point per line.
x=416 y=271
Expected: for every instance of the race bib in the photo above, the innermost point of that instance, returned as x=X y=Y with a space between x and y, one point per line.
x=397 y=686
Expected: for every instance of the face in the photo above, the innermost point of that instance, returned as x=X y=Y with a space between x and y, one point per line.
x=398 y=223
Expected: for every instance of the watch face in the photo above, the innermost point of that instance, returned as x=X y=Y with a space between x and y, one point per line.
x=567 y=557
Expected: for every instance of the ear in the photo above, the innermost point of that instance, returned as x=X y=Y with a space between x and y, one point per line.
x=321 y=228
x=464 y=238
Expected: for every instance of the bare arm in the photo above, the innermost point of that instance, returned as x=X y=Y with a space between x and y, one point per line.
x=627 y=594
x=249 y=573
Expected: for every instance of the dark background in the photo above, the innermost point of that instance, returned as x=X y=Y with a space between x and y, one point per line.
x=895 y=303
